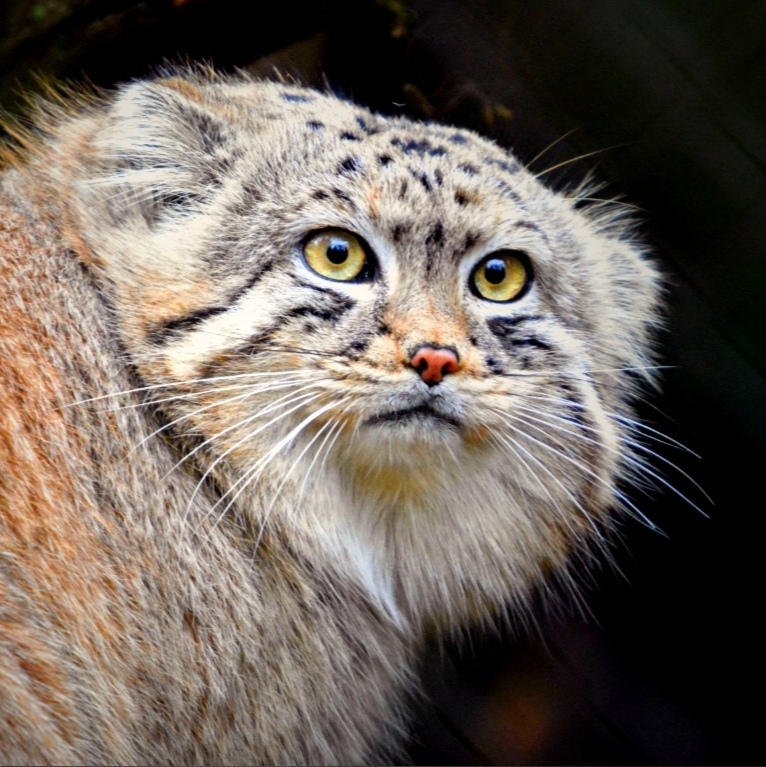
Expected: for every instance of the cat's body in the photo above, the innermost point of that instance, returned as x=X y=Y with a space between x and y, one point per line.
x=346 y=462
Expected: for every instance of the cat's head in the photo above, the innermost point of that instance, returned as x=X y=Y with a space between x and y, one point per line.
x=397 y=321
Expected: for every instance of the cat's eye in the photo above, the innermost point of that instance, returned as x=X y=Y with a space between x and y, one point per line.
x=502 y=276
x=338 y=255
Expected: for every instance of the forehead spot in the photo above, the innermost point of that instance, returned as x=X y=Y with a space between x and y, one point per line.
x=298 y=98
x=471 y=238
x=348 y=136
x=399 y=230
x=510 y=168
x=436 y=235
x=350 y=165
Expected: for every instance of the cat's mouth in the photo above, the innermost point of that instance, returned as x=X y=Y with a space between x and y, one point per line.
x=423 y=413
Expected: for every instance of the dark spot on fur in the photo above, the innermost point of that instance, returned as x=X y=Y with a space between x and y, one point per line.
x=456 y=138
x=508 y=167
x=460 y=197
x=350 y=165
x=382 y=329
x=348 y=136
x=341 y=195
x=435 y=236
x=315 y=124
x=471 y=238
x=438 y=176
x=309 y=327
x=494 y=365
x=507 y=191
x=296 y=98
x=433 y=242
x=468 y=169
x=385 y=159
x=403 y=188
x=399 y=230
x=355 y=348
x=320 y=195
x=527 y=225
x=423 y=178
x=421 y=148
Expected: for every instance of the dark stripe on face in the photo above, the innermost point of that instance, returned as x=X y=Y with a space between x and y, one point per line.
x=504 y=328
x=512 y=322
x=531 y=341
x=172 y=330
x=332 y=310
x=327 y=313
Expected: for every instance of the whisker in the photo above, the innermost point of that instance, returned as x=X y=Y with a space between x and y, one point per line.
x=152 y=387
x=638 y=465
x=255 y=388
x=653 y=434
x=577 y=159
x=205 y=408
x=582 y=467
x=550 y=146
x=258 y=467
x=302 y=401
x=606 y=201
x=512 y=445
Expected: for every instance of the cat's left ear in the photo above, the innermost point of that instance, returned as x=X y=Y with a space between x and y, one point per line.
x=163 y=148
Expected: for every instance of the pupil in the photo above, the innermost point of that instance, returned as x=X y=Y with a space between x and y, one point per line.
x=494 y=271
x=337 y=253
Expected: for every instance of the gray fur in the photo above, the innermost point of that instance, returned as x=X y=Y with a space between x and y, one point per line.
x=273 y=564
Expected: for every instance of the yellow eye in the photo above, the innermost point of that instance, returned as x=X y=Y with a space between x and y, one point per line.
x=337 y=255
x=502 y=276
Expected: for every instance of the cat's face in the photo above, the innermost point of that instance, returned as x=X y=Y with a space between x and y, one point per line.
x=402 y=305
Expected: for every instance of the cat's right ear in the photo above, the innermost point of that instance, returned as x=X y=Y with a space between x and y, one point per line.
x=162 y=150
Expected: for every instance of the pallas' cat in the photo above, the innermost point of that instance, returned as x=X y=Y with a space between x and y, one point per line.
x=286 y=386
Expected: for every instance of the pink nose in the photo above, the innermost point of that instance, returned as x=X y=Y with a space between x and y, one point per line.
x=434 y=362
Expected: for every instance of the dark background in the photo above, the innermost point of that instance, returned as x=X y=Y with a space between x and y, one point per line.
x=664 y=665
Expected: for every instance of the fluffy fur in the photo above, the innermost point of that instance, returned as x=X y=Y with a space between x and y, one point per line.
x=222 y=538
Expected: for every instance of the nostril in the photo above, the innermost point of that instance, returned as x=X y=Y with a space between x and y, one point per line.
x=434 y=362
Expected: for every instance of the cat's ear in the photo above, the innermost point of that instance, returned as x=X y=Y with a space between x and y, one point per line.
x=162 y=150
